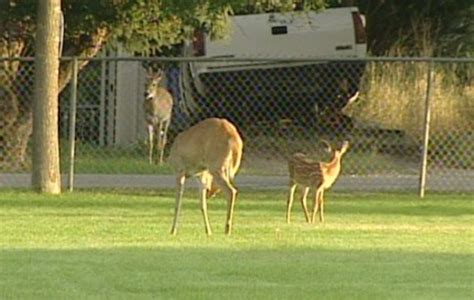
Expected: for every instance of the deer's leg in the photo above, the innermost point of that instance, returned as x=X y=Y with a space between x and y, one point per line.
x=289 y=203
x=203 y=184
x=151 y=130
x=163 y=137
x=180 y=180
x=317 y=201
x=321 y=206
x=223 y=182
x=212 y=191
x=304 y=205
x=158 y=141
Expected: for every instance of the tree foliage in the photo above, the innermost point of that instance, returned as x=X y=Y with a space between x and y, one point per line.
x=419 y=27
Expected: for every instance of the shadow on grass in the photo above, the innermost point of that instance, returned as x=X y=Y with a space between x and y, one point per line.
x=209 y=273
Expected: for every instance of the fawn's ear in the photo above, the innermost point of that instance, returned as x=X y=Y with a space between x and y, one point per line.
x=327 y=145
x=344 y=146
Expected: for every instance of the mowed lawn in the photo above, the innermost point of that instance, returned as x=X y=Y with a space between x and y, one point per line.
x=115 y=244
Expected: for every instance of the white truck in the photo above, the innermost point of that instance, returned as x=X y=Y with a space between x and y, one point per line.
x=277 y=66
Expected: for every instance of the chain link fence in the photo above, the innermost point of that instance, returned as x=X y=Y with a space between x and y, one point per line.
x=280 y=107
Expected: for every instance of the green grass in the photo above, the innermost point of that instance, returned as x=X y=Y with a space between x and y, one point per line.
x=116 y=244
x=132 y=159
x=120 y=161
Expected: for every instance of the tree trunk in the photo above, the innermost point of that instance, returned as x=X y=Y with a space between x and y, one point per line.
x=46 y=173
x=14 y=137
x=16 y=119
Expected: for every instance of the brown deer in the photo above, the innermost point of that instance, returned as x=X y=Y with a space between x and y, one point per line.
x=210 y=150
x=313 y=174
x=158 y=107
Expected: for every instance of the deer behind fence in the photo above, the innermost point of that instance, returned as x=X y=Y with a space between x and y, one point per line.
x=158 y=107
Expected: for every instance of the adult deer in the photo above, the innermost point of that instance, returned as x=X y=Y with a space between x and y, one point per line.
x=313 y=174
x=158 y=107
x=210 y=150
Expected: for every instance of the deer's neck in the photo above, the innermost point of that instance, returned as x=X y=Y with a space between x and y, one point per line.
x=334 y=165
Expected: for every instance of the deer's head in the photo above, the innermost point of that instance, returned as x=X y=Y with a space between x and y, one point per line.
x=336 y=152
x=153 y=82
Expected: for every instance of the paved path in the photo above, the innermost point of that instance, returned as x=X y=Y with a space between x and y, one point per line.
x=463 y=183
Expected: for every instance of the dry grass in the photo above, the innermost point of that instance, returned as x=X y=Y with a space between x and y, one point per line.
x=393 y=95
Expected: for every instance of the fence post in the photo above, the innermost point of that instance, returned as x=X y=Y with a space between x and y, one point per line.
x=102 y=103
x=426 y=132
x=111 y=99
x=72 y=124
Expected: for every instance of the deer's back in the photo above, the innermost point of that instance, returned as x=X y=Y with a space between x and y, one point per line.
x=209 y=145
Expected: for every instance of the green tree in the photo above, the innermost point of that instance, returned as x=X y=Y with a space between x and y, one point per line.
x=419 y=27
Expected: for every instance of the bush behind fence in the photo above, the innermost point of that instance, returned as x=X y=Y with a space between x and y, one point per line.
x=279 y=111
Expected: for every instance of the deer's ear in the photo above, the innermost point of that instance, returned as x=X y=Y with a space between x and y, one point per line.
x=345 y=145
x=149 y=71
x=327 y=145
x=159 y=73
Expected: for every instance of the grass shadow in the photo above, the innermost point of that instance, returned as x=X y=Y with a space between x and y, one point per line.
x=213 y=273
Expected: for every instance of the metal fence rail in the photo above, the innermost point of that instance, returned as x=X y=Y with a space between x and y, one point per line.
x=383 y=106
